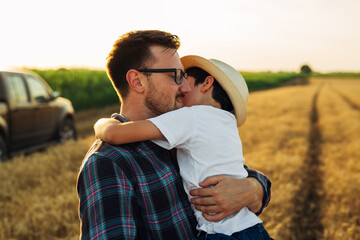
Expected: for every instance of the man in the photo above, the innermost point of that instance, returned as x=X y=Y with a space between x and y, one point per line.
x=134 y=191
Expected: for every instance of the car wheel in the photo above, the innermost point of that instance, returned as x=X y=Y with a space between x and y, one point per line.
x=67 y=131
x=2 y=149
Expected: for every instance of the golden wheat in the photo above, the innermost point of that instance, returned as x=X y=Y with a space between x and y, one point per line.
x=275 y=138
x=38 y=197
x=305 y=138
x=348 y=87
x=340 y=125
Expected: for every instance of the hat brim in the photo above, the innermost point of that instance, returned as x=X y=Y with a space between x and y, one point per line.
x=229 y=79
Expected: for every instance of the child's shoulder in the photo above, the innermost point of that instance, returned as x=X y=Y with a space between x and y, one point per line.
x=200 y=107
x=206 y=108
x=196 y=109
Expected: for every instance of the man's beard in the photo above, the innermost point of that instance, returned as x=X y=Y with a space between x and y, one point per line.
x=158 y=103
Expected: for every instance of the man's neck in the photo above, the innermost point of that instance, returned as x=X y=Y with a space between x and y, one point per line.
x=134 y=112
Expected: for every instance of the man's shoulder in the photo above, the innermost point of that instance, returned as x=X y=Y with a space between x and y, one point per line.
x=103 y=150
x=95 y=154
x=120 y=155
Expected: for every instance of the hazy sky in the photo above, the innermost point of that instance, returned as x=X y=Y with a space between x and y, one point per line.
x=251 y=35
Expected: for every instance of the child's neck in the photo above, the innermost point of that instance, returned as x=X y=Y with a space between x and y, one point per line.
x=211 y=102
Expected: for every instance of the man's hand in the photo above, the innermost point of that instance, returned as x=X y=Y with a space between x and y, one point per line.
x=227 y=196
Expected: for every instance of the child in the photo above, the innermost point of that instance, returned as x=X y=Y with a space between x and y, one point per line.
x=205 y=135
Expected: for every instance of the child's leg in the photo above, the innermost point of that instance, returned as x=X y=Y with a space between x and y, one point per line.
x=257 y=232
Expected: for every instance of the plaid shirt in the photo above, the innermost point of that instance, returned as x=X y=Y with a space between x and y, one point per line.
x=134 y=191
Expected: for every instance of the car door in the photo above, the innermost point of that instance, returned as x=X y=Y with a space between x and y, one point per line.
x=21 y=111
x=45 y=111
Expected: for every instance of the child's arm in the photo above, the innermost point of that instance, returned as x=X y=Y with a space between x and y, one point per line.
x=115 y=132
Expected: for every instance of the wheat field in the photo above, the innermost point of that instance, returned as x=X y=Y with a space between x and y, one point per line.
x=305 y=138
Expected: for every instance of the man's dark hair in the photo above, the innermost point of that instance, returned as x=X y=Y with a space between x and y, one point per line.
x=218 y=94
x=132 y=51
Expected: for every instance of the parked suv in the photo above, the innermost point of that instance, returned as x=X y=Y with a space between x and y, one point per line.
x=32 y=115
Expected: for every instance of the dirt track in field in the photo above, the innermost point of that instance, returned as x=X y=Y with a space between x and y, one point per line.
x=306 y=222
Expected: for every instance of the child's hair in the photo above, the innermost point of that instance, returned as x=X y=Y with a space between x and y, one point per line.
x=218 y=94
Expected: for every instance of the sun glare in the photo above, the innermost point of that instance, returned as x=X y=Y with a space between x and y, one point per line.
x=261 y=35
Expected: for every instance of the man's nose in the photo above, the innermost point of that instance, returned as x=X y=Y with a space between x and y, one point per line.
x=185 y=86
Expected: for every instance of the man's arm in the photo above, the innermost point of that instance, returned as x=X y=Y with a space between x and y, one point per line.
x=264 y=182
x=230 y=195
x=105 y=197
x=114 y=132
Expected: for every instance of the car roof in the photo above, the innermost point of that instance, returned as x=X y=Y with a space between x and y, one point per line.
x=14 y=70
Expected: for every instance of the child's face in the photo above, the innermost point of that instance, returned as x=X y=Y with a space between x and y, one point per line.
x=194 y=96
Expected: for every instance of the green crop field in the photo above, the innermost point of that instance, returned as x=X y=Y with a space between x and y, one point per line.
x=92 y=89
x=266 y=80
x=84 y=87
x=337 y=75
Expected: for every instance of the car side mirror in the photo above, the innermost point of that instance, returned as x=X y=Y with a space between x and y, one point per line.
x=55 y=94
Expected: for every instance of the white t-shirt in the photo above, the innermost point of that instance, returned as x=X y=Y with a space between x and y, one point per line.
x=208 y=143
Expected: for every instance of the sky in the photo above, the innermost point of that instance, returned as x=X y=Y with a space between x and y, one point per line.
x=251 y=35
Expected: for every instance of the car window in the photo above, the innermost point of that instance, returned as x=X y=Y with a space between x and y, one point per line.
x=17 y=88
x=37 y=89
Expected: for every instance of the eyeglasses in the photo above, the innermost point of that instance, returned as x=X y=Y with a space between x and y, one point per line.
x=179 y=74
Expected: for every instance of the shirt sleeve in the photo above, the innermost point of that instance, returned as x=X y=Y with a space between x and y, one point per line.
x=106 y=201
x=265 y=182
x=177 y=127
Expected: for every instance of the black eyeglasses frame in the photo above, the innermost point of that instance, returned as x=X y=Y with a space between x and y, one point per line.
x=165 y=70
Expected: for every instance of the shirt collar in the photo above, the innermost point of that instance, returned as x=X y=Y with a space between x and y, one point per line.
x=119 y=117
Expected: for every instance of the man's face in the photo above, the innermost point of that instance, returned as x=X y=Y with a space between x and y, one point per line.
x=163 y=94
x=192 y=97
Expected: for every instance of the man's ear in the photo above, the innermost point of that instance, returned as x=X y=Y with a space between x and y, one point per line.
x=133 y=77
x=207 y=84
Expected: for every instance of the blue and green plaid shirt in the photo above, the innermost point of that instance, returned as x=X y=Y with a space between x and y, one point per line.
x=134 y=191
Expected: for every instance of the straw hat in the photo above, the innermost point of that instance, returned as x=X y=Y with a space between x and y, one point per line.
x=229 y=79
